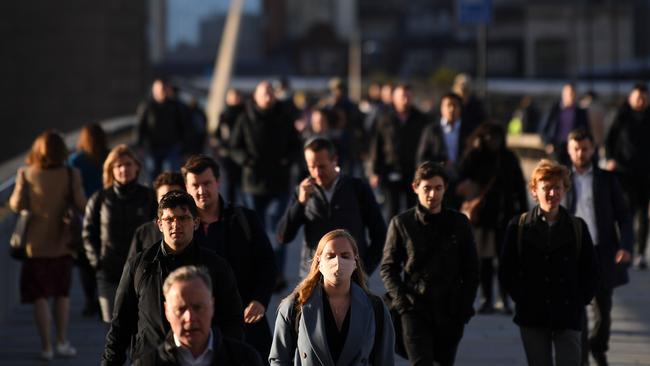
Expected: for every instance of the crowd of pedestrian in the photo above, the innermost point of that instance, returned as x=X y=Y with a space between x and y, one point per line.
x=182 y=272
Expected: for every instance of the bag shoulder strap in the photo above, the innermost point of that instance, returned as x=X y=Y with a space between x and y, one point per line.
x=520 y=233
x=378 y=307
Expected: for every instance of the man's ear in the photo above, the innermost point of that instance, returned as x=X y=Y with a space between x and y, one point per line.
x=415 y=188
x=159 y=224
x=197 y=222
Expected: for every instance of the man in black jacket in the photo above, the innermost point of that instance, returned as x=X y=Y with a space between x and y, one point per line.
x=549 y=269
x=565 y=115
x=328 y=200
x=627 y=150
x=430 y=269
x=236 y=234
x=265 y=143
x=598 y=199
x=189 y=308
x=148 y=233
x=138 y=320
x=394 y=148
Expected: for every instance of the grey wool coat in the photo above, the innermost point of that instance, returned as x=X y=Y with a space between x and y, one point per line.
x=311 y=346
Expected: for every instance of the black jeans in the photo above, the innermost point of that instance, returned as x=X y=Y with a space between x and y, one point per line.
x=597 y=341
x=637 y=191
x=427 y=341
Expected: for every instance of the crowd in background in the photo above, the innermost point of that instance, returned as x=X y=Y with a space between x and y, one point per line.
x=272 y=166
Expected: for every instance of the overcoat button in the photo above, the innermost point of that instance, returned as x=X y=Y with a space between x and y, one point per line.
x=304 y=355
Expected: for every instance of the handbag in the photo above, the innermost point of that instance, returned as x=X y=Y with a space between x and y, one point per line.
x=18 y=240
x=71 y=221
x=472 y=207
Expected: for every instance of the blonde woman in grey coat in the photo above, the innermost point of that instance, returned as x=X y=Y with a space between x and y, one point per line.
x=329 y=319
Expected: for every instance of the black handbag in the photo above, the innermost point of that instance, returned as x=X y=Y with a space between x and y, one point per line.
x=18 y=240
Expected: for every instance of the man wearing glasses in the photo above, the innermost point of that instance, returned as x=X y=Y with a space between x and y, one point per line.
x=138 y=319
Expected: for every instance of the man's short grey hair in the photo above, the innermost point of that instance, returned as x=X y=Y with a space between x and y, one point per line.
x=188 y=273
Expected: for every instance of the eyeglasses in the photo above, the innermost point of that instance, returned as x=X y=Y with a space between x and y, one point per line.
x=178 y=219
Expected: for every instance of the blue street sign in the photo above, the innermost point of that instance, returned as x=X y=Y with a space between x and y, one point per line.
x=474 y=11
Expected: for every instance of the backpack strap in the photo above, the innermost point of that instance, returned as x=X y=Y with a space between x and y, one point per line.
x=520 y=234
x=577 y=230
x=378 y=307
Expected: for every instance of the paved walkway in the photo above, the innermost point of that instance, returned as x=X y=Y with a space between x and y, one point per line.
x=489 y=340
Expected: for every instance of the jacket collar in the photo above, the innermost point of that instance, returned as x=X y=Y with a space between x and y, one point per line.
x=424 y=216
x=313 y=328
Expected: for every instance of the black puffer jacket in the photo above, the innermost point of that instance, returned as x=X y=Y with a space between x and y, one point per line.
x=265 y=144
x=111 y=217
x=139 y=314
x=226 y=352
x=430 y=264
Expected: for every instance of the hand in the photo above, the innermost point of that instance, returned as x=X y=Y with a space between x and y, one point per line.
x=254 y=312
x=305 y=190
x=610 y=165
x=623 y=256
x=374 y=181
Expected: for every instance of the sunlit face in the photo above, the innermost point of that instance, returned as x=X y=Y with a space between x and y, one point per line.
x=158 y=91
x=337 y=261
x=204 y=188
x=164 y=189
x=430 y=193
x=638 y=100
x=401 y=99
x=568 y=96
x=319 y=123
x=177 y=226
x=549 y=194
x=125 y=170
x=321 y=166
x=581 y=152
x=387 y=94
x=263 y=96
x=189 y=309
x=450 y=109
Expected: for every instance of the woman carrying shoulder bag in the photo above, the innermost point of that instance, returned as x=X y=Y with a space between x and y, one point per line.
x=42 y=188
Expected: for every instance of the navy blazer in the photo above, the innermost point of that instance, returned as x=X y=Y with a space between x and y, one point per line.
x=612 y=215
x=311 y=346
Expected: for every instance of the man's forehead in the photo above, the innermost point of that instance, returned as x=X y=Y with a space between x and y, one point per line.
x=179 y=210
x=433 y=181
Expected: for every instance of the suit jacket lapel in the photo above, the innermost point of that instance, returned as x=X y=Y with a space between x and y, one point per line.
x=313 y=327
x=359 y=326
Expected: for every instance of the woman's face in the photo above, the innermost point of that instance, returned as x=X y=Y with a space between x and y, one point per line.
x=337 y=261
x=125 y=170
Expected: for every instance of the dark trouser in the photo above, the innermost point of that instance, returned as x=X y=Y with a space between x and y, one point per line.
x=541 y=344
x=88 y=280
x=597 y=341
x=106 y=290
x=637 y=190
x=393 y=193
x=277 y=203
x=258 y=335
x=427 y=341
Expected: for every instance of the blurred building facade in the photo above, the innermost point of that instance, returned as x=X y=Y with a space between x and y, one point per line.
x=69 y=63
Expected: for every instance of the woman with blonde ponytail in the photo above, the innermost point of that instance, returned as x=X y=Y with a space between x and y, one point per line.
x=331 y=318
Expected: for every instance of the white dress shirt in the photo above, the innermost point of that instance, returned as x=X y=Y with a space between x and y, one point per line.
x=451 y=134
x=185 y=357
x=584 y=190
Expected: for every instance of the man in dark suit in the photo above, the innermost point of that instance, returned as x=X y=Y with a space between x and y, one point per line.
x=564 y=116
x=598 y=199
